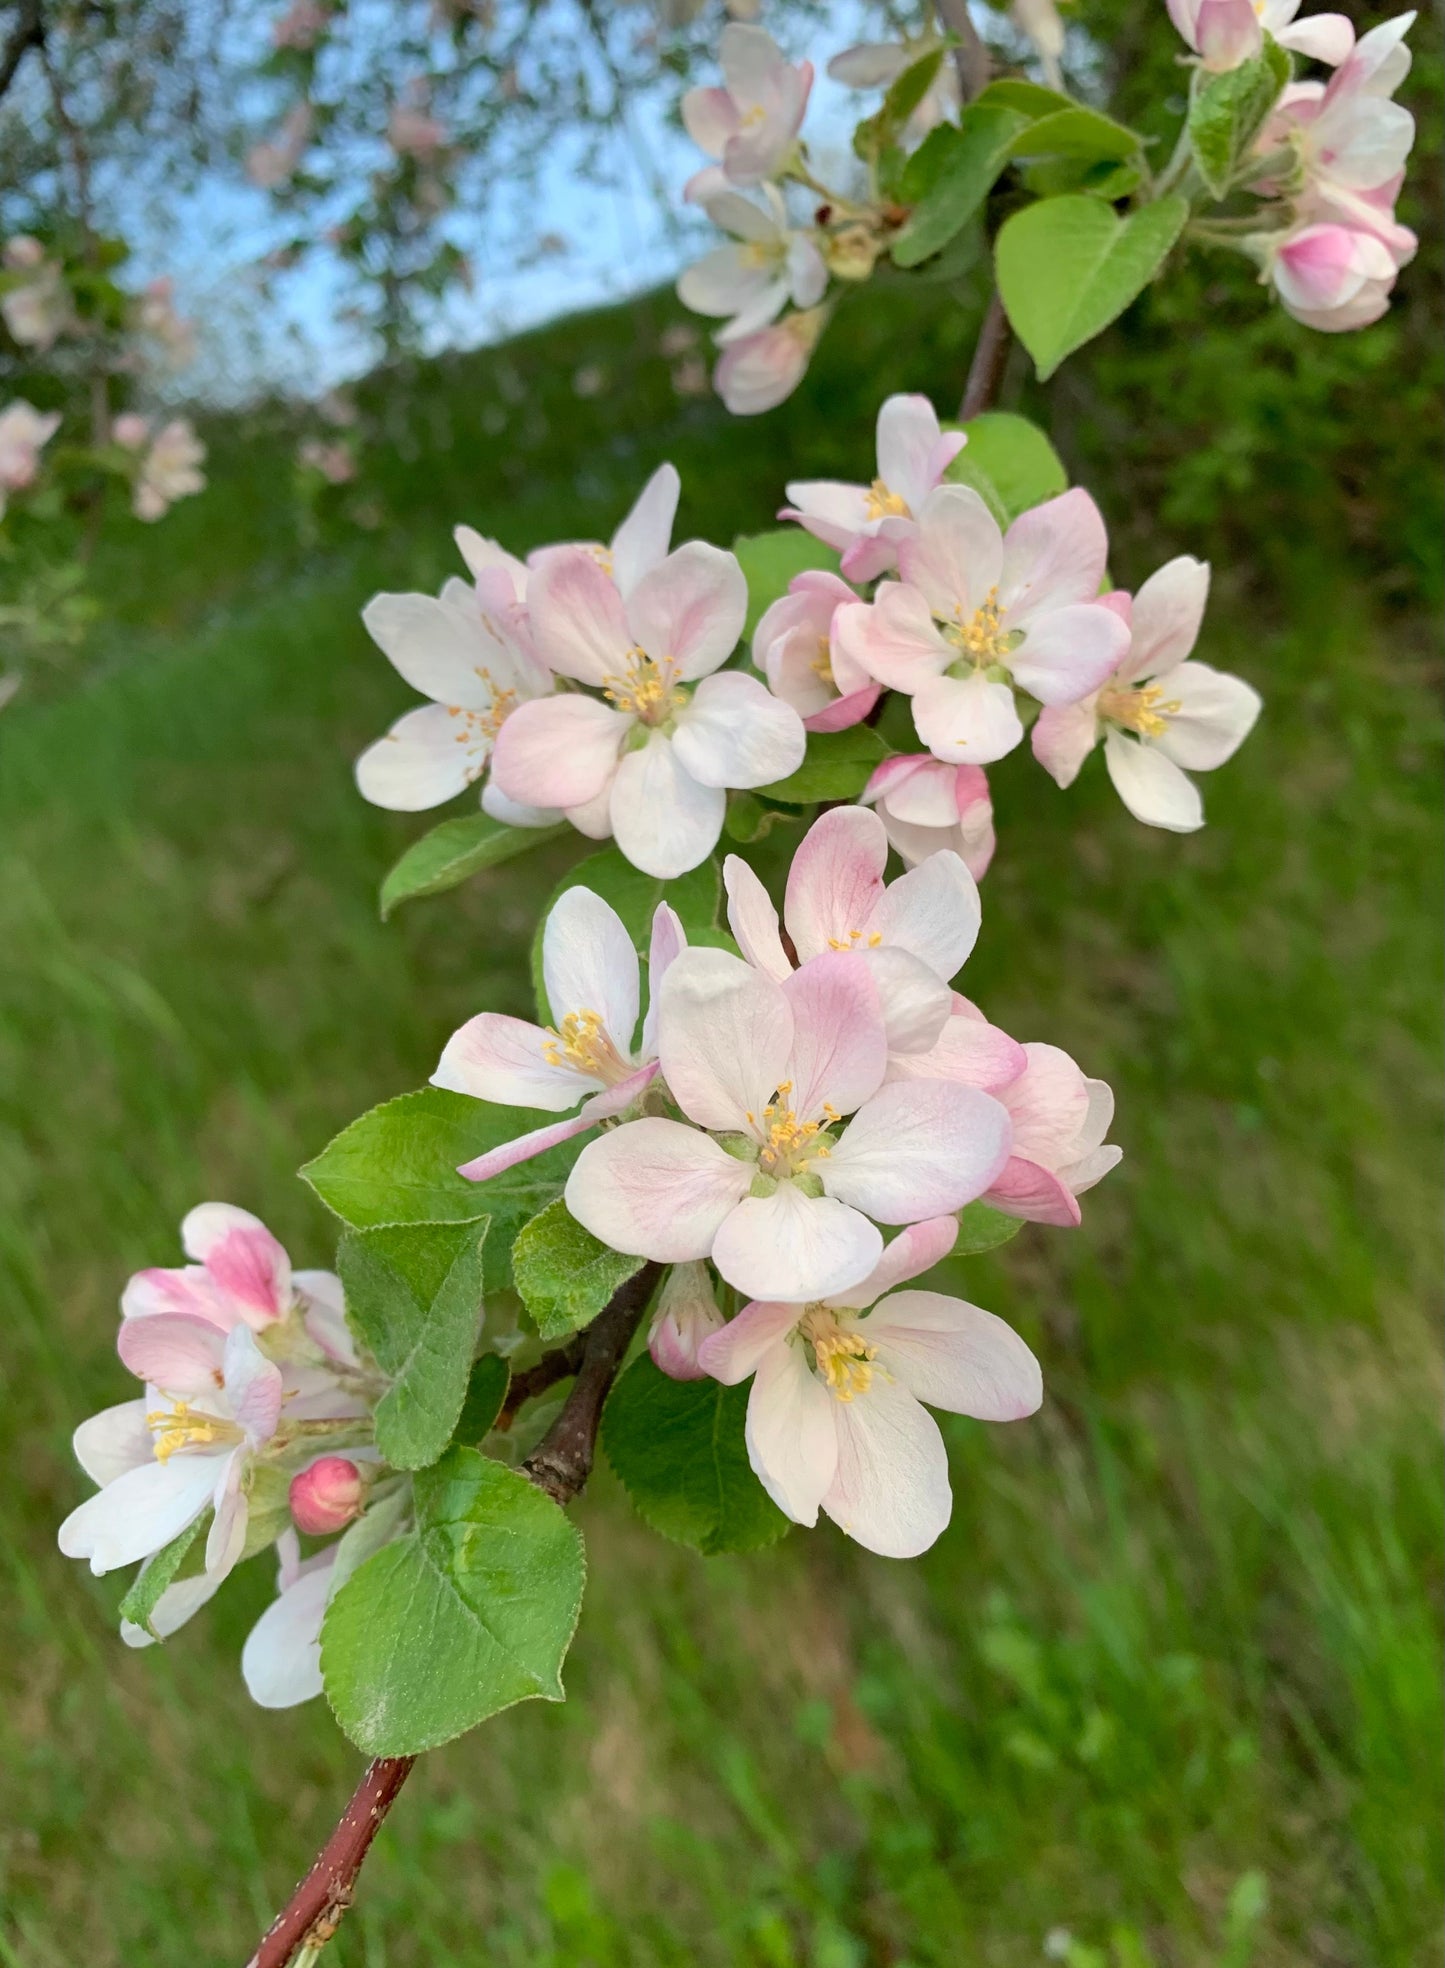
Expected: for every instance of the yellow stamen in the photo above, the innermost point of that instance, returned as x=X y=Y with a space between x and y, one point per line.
x=647 y=688
x=583 y=1042
x=822 y=663
x=788 y=1143
x=844 y=1359
x=854 y=937
x=181 y=1427
x=1139 y=710
x=883 y=504
x=981 y=638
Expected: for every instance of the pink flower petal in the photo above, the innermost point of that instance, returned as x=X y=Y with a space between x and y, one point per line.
x=916 y=1249
x=737 y=1349
x=918 y=1148
x=243 y=1258
x=839 y=1051
x=577 y=618
x=663 y=819
x=493 y=1057
x=836 y=881
x=753 y=920
x=655 y=1188
x=954 y=1356
x=174 y=1351
x=602 y=1106
x=1054 y=555
x=559 y=751
x=688 y=612
x=954 y=558
x=724 y=1036
x=1068 y=653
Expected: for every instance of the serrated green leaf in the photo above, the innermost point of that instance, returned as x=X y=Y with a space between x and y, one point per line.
x=770 y=560
x=454 y=850
x=487 y=1387
x=472 y=1611
x=1226 y=115
x=564 y=1274
x=962 y=172
x=158 y=1572
x=981 y=1227
x=635 y=896
x=1069 y=266
x=1014 y=460
x=376 y=1527
x=678 y=1449
x=1077 y=132
x=414 y=1299
x=836 y=766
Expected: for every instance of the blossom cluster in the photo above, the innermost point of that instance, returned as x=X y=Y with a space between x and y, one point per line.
x=773 y=1112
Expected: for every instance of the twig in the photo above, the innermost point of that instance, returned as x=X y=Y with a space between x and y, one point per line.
x=990 y=358
x=971 y=58
x=27 y=33
x=560 y=1466
x=534 y=1380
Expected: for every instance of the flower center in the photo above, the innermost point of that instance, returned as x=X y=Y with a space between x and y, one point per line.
x=982 y=639
x=844 y=1359
x=883 y=504
x=822 y=663
x=788 y=1144
x=477 y=728
x=1139 y=710
x=647 y=689
x=181 y=1427
x=870 y=940
x=583 y=1043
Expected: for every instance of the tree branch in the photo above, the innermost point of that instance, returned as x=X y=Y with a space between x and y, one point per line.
x=27 y=33
x=971 y=58
x=559 y=1465
x=990 y=358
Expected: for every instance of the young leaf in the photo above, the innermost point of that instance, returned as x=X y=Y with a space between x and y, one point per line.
x=750 y=819
x=414 y=1297
x=1031 y=98
x=965 y=162
x=880 y=132
x=454 y=850
x=159 y=1572
x=470 y=1612
x=836 y=766
x=635 y=897
x=677 y=1446
x=770 y=560
x=1020 y=465
x=1077 y=132
x=1226 y=115
x=486 y=1391
x=564 y=1274
x=981 y=1227
x=1068 y=266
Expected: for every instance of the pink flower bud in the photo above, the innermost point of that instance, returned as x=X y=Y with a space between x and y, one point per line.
x=131 y=430
x=760 y=371
x=325 y=1497
x=1334 y=277
x=686 y=1313
x=926 y=804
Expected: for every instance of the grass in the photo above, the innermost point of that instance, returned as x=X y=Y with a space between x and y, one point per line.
x=1167 y=1692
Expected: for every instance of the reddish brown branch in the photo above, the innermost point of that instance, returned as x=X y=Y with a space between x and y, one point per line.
x=971 y=58
x=990 y=358
x=559 y=1465
x=538 y=1378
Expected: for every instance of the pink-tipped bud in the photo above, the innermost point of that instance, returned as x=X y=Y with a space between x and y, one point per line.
x=686 y=1313
x=327 y=1496
x=131 y=430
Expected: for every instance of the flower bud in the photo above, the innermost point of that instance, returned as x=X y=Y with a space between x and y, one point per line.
x=326 y=1496
x=852 y=252
x=686 y=1313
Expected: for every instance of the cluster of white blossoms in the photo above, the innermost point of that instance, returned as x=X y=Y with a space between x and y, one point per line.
x=768 y=1117
x=252 y=1386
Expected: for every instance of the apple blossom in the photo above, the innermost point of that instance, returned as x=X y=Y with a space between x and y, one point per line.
x=35 y=304
x=768 y=1180
x=687 y=1311
x=326 y=1495
x=131 y=431
x=281 y=1660
x=24 y=432
x=591 y=975
x=750 y=124
x=753 y=280
x=1330 y=277
x=913 y=934
x=927 y=806
x=170 y=470
x=836 y=1419
x=980 y=613
x=1060 y=1119
x=1159 y=715
x=640 y=543
x=270 y=164
x=649 y=758
x=469 y=651
x=156 y=316
x=1225 y=33
x=967 y=1050
x=792 y=646
x=866 y=523
x=760 y=371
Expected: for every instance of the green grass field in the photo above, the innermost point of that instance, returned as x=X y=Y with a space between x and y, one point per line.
x=1167 y=1693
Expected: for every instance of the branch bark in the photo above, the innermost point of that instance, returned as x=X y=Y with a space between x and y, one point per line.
x=27 y=33
x=990 y=358
x=559 y=1465
x=971 y=58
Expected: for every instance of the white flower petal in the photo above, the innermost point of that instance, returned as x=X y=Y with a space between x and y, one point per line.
x=918 y=1148
x=734 y=732
x=663 y=819
x=428 y=756
x=1152 y=786
x=891 y=1491
x=589 y=964
x=655 y=1188
x=724 y=1036
x=791 y=1433
x=792 y=1247
x=953 y=1355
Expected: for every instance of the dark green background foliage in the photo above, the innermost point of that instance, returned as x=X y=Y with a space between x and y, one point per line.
x=1171 y=1679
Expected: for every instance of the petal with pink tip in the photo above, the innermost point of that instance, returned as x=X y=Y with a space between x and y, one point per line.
x=1049 y=1105
x=916 y=1249
x=578 y=621
x=753 y=920
x=243 y=1258
x=602 y=1106
x=835 y=882
x=493 y=1057
x=559 y=751
x=891 y=1492
x=1070 y=652
x=954 y=558
x=1054 y=555
x=689 y=610
x=839 y=1051
x=1035 y=1194
x=737 y=1349
x=789 y=1246
x=254 y=1385
x=918 y=1148
x=724 y=1035
x=1063 y=737
x=933 y=912
x=791 y=1433
x=655 y=1188
x=893 y=638
x=188 y=1288
x=175 y=1351
x=1167 y=614
x=955 y=1356
x=970 y=1051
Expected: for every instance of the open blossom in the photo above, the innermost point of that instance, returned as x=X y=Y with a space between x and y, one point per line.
x=793 y=647
x=867 y=523
x=1060 y=1120
x=751 y=123
x=1224 y=33
x=131 y=431
x=1160 y=716
x=655 y=751
x=687 y=1313
x=913 y=934
x=754 y=279
x=156 y=315
x=640 y=543
x=758 y=372
x=928 y=807
x=836 y=1416
x=281 y=1660
x=1330 y=277
x=36 y=309
x=979 y=613
x=24 y=431
x=170 y=470
x=590 y=973
x=768 y=1180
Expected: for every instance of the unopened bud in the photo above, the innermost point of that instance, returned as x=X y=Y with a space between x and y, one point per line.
x=852 y=252
x=326 y=1496
x=686 y=1313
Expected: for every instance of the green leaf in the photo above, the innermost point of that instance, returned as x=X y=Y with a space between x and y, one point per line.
x=635 y=897
x=564 y=1273
x=1068 y=266
x=1019 y=464
x=678 y=1448
x=750 y=819
x=1077 y=132
x=1053 y=177
x=981 y=1227
x=960 y=173
x=414 y=1298
x=1226 y=114
x=159 y=1572
x=268 y=1507
x=469 y=1613
x=880 y=132
x=770 y=560
x=836 y=766
x=1031 y=98
x=486 y=1391
x=398 y=1164
x=454 y=850
x=373 y=1529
